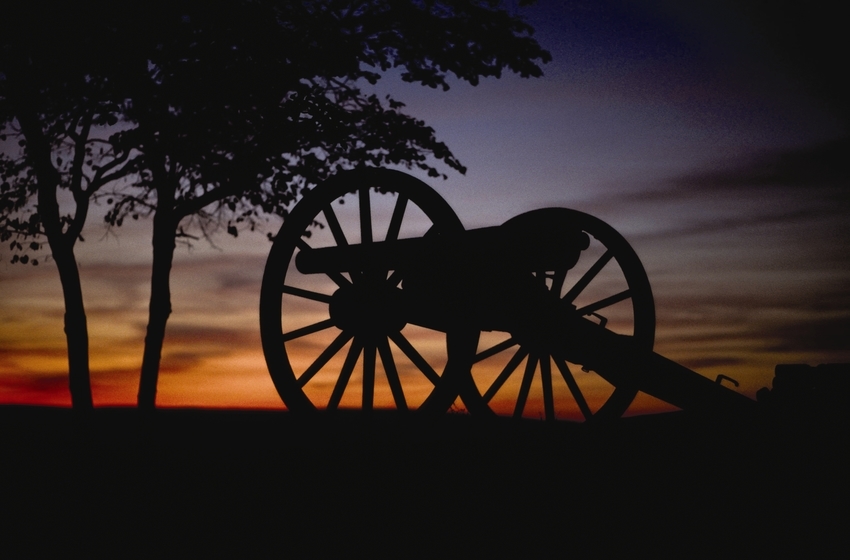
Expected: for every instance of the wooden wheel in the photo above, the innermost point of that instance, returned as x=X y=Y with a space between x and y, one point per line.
x=338 y=340
x=521 y=373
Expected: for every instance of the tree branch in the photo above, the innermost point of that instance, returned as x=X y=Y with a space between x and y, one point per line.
x=100 y=176
x=80 y=158
x=194 y=205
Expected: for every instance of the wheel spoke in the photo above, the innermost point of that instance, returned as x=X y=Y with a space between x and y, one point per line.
x=546 y=380
x=415 y=357
x=571 y=383
x=493 y=350
x=336 y=229
x=338 y=279
x=541 y=277
x=398 y=215
x=306 y=294
x=368 y=376
x=309 y=329
x=611 y=300
x=588 y=277
x=510 y=367
x=527 y=377
x=558 y=281
x=394 y=279
x=393 y=232
x=392 y=374
x=324 y=357
x=345 y=374
x=365 y=216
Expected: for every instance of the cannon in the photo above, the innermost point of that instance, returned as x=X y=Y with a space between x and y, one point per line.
x=374 y=295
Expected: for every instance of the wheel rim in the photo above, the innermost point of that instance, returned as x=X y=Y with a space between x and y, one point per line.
x=523 y=376
x=332 y=340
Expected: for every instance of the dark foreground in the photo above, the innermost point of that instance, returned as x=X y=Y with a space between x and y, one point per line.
x=195 y=483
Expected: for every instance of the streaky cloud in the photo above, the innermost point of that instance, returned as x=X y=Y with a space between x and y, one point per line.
x=827 y=336
x=195 y=334
x=820 y=165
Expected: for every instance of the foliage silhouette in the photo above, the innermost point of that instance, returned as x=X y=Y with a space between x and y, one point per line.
x=58 y=105
x=219 y=115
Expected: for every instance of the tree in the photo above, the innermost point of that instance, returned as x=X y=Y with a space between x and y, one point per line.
x=57 y=104
x=285 y=77
x=228 y=112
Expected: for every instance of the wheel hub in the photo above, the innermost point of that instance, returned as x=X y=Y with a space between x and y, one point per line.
x=367 y=309
x=548 y=333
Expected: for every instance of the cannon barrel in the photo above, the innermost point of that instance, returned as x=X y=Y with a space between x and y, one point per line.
x=356 y=257
x=543 y=246
x=620 y=362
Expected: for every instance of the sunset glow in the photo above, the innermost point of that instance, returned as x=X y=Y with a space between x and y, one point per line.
x=715 y=167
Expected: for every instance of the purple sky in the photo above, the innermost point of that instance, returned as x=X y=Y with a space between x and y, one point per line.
x=712 y=137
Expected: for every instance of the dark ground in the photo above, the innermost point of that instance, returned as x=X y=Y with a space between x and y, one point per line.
x=237 y=484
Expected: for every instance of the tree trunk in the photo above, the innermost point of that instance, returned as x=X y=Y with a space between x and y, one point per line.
x=76 y=327
x=62 y=248
x=164 y=236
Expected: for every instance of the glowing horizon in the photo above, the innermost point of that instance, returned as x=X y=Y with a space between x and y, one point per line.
x=212 y=355
x=677 y=126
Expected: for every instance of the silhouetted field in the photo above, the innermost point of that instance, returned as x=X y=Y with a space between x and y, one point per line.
x=201 y=483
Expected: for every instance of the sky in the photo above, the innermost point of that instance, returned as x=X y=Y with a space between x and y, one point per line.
x=713 y=137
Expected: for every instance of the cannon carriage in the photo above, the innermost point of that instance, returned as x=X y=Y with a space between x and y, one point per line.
x=374 y=295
